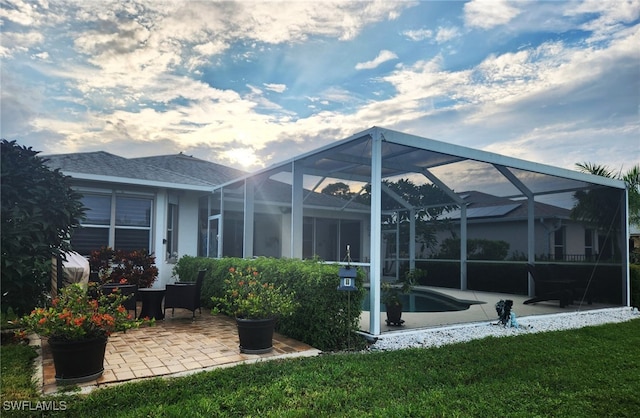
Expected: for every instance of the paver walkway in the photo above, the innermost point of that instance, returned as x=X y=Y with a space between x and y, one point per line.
x=173 y=347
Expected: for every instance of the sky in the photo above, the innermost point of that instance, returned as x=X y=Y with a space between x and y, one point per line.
x=251 y=83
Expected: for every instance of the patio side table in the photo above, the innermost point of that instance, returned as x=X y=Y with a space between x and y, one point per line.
x=151 y=303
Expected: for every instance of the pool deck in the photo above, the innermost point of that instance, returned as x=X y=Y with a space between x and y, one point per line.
x=485 y=312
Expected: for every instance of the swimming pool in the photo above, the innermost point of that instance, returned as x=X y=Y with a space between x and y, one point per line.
x=427 y=300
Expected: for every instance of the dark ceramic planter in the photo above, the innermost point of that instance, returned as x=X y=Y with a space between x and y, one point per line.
x=256 y=335
x=78 y=361
x=394 y=315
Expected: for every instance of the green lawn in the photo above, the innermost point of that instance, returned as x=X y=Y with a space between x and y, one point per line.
x=590 y=372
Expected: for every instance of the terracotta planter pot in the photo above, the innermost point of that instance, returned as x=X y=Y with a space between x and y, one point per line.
x=256 y=335
x=78 y=361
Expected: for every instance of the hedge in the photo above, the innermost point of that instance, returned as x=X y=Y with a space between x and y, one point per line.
x=634 y=274
x=326 y=318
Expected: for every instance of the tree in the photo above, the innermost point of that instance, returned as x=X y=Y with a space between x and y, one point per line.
x=39 y=213
x=600 y=207
x=339 y=189
x=427 y=199
x=631 y=177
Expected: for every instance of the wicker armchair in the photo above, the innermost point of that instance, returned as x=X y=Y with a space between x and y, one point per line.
x=185 y=295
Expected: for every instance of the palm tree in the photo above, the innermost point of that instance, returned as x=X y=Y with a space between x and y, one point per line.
x=600 y=207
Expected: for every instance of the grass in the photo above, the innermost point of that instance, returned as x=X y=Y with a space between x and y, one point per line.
x=16 y=367
x=589 y=372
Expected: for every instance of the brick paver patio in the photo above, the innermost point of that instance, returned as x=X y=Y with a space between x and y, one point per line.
x=173 y=347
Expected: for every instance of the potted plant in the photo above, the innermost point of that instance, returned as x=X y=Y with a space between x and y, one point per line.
x=77 y=324
x=137 y=267
x=256 y=304
x=392 y=299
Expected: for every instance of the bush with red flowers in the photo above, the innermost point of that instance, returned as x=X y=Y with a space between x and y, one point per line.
x=78 y=314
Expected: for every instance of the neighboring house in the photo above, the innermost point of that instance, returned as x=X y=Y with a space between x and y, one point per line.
x=557 y=236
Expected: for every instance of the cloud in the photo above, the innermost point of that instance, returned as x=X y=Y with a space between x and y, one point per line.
x=610 y=15
x=486 y=14
x=382 y=57
x=418 y=34
x=278 y=88
x=148 y=77
x=447 y=34
x=442 y=34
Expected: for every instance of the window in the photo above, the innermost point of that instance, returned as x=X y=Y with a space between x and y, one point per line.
x=172 y=233
x=120 y=222
x=588 y=244
x=558 y=244
x=328 y=238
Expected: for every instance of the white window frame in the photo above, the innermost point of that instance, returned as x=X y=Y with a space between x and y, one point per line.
x=113 y=227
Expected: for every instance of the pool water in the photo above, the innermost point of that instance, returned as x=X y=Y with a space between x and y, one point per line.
x=427 y=300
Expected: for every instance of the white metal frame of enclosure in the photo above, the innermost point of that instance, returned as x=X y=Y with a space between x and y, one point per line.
x=377 y=137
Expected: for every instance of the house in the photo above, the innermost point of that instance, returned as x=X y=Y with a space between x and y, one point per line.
x=166 y=205
x=179 y=205
x=558 y=236
x=150 y=203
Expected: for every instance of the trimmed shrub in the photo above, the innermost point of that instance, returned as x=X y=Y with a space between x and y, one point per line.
x=325 y=318
x=634 y=274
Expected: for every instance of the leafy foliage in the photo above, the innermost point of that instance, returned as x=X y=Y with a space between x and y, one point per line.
x=634 y=275
x=600 y=207
x=339 y=189
x=247 y=295
x=135 y=267
x=632 y=178
x=428 y=202
x=391 y=291
x=477 y=249
x=324 y=317
x=78 y=314
x=39 y=213
x=589 y=208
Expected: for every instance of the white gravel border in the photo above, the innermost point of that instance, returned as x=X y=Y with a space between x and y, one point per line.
x=436 y=337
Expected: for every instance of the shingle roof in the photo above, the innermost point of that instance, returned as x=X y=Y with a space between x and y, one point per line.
x=194 y=167
x=102 y=163
x=175 y=169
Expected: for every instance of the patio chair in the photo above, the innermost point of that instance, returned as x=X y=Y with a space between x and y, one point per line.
x=185 y=295
x=548 y=288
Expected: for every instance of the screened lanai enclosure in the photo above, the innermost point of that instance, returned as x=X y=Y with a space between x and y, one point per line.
x=468 y=223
